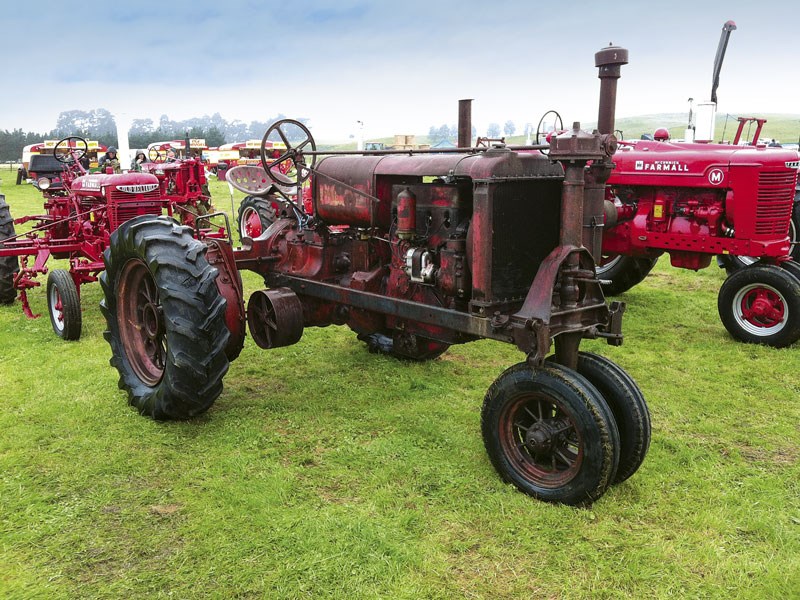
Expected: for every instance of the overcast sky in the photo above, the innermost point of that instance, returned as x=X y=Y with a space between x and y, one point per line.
x=398 y=66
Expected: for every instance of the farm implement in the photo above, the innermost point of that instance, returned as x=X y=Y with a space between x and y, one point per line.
x=82 y=210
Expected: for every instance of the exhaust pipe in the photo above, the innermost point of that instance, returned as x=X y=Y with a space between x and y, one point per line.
x=465 y=123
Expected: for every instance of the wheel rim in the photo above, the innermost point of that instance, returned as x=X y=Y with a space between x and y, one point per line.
x=251 y=223
x=760 y=309
x=141 y=322
x=56 y=309
x=541 y=440
x=607 y=262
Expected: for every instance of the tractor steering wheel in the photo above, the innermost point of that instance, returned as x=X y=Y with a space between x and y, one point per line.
x=68 y=154
x=155 y=156
x=290 y=169
x=550 y=121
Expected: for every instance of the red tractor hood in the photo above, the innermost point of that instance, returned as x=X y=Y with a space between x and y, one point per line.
x=695 y=165
x=133 y=183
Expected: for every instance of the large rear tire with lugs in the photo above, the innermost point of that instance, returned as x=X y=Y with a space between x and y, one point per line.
x=9 y=265
x=165 y=318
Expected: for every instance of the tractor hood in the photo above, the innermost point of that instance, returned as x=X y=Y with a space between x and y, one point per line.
x=693 y=165
x=132 y=183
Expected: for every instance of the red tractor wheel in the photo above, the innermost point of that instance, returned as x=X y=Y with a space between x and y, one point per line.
x=64 y=305
x=255 y=215
x=549 y=432
x=9 y=265
x=165 y=318
x=623 y=272
x=760 y=304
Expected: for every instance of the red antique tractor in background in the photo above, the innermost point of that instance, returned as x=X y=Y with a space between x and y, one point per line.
x=81 y=212
x=414 y=252
x=696 y=201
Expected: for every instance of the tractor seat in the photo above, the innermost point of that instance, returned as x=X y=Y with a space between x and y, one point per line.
x=250 y=179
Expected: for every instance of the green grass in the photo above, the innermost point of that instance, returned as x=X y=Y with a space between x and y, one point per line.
x=326 y=471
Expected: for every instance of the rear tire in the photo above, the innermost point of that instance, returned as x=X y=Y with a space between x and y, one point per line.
x=761 y=305
x=64 y=305
x=9 y=265
x=549 y=432
x=165 y=318
x=623 y=272
x=255 y=216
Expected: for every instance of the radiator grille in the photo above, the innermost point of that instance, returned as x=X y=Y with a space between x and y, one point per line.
x=775 y=197
x=123 y=206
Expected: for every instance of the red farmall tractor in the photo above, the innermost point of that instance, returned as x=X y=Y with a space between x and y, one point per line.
x=82 y=210
x=695 y=201
x=182 y=183
x=413 y=251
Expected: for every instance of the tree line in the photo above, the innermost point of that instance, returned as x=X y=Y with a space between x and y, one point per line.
x=98 y=124
x=449 y=133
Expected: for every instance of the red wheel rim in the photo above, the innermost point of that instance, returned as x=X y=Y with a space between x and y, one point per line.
x=57 y=309
x=141 y=322
x=760 y=308
x=251 y=223
x=541 y=440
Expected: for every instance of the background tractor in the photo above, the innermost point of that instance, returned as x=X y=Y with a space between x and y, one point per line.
x=81 y=212
x=414 y=252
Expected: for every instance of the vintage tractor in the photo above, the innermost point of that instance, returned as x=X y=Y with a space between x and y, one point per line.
x=695 y=201
x=183 y=184
x=414 y=252
x=81 y=212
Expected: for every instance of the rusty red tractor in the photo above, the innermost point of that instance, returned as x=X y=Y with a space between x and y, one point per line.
x=414 y=252
x=81 y=212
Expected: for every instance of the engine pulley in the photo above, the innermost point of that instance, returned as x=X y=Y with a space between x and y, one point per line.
x=275 y=318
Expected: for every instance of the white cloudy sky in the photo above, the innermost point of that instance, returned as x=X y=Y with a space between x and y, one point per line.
x=398 y=66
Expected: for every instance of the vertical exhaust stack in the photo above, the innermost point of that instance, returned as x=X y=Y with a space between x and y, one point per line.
x=465 y=123
x=609 y=62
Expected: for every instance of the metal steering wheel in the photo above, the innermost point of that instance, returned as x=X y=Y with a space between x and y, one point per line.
x=155 y=156
x=290 y=168
x=553 y=119
x=66 y=153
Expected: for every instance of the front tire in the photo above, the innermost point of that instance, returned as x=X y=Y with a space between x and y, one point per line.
x=623 y=272
x=165 y=318
x=9 y=265
x=628 y=406
x=64 y=305
x=761 y=305
x=549 y=432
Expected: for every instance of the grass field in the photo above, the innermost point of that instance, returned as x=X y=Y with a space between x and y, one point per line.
x=326 y=471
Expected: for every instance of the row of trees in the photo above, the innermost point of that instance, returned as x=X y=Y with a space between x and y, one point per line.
x=450 y=132
x=99 y=124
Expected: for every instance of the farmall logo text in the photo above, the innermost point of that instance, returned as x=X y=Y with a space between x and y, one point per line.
x=793 y=164
x=670 y=166
x=138 y=189
x=90 y=182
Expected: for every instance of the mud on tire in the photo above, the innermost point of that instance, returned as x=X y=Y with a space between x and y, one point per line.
x=165 y=318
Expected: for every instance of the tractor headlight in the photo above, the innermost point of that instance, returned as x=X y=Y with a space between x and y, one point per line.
x=43 y=183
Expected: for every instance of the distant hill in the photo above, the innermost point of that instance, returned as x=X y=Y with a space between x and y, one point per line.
x=782 y=127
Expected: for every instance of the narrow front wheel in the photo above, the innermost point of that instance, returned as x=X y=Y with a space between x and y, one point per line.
x=64 y=305
x=549 y=432
x=760 y=304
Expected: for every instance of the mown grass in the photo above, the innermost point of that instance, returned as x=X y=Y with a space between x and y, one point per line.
x=326 y=471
